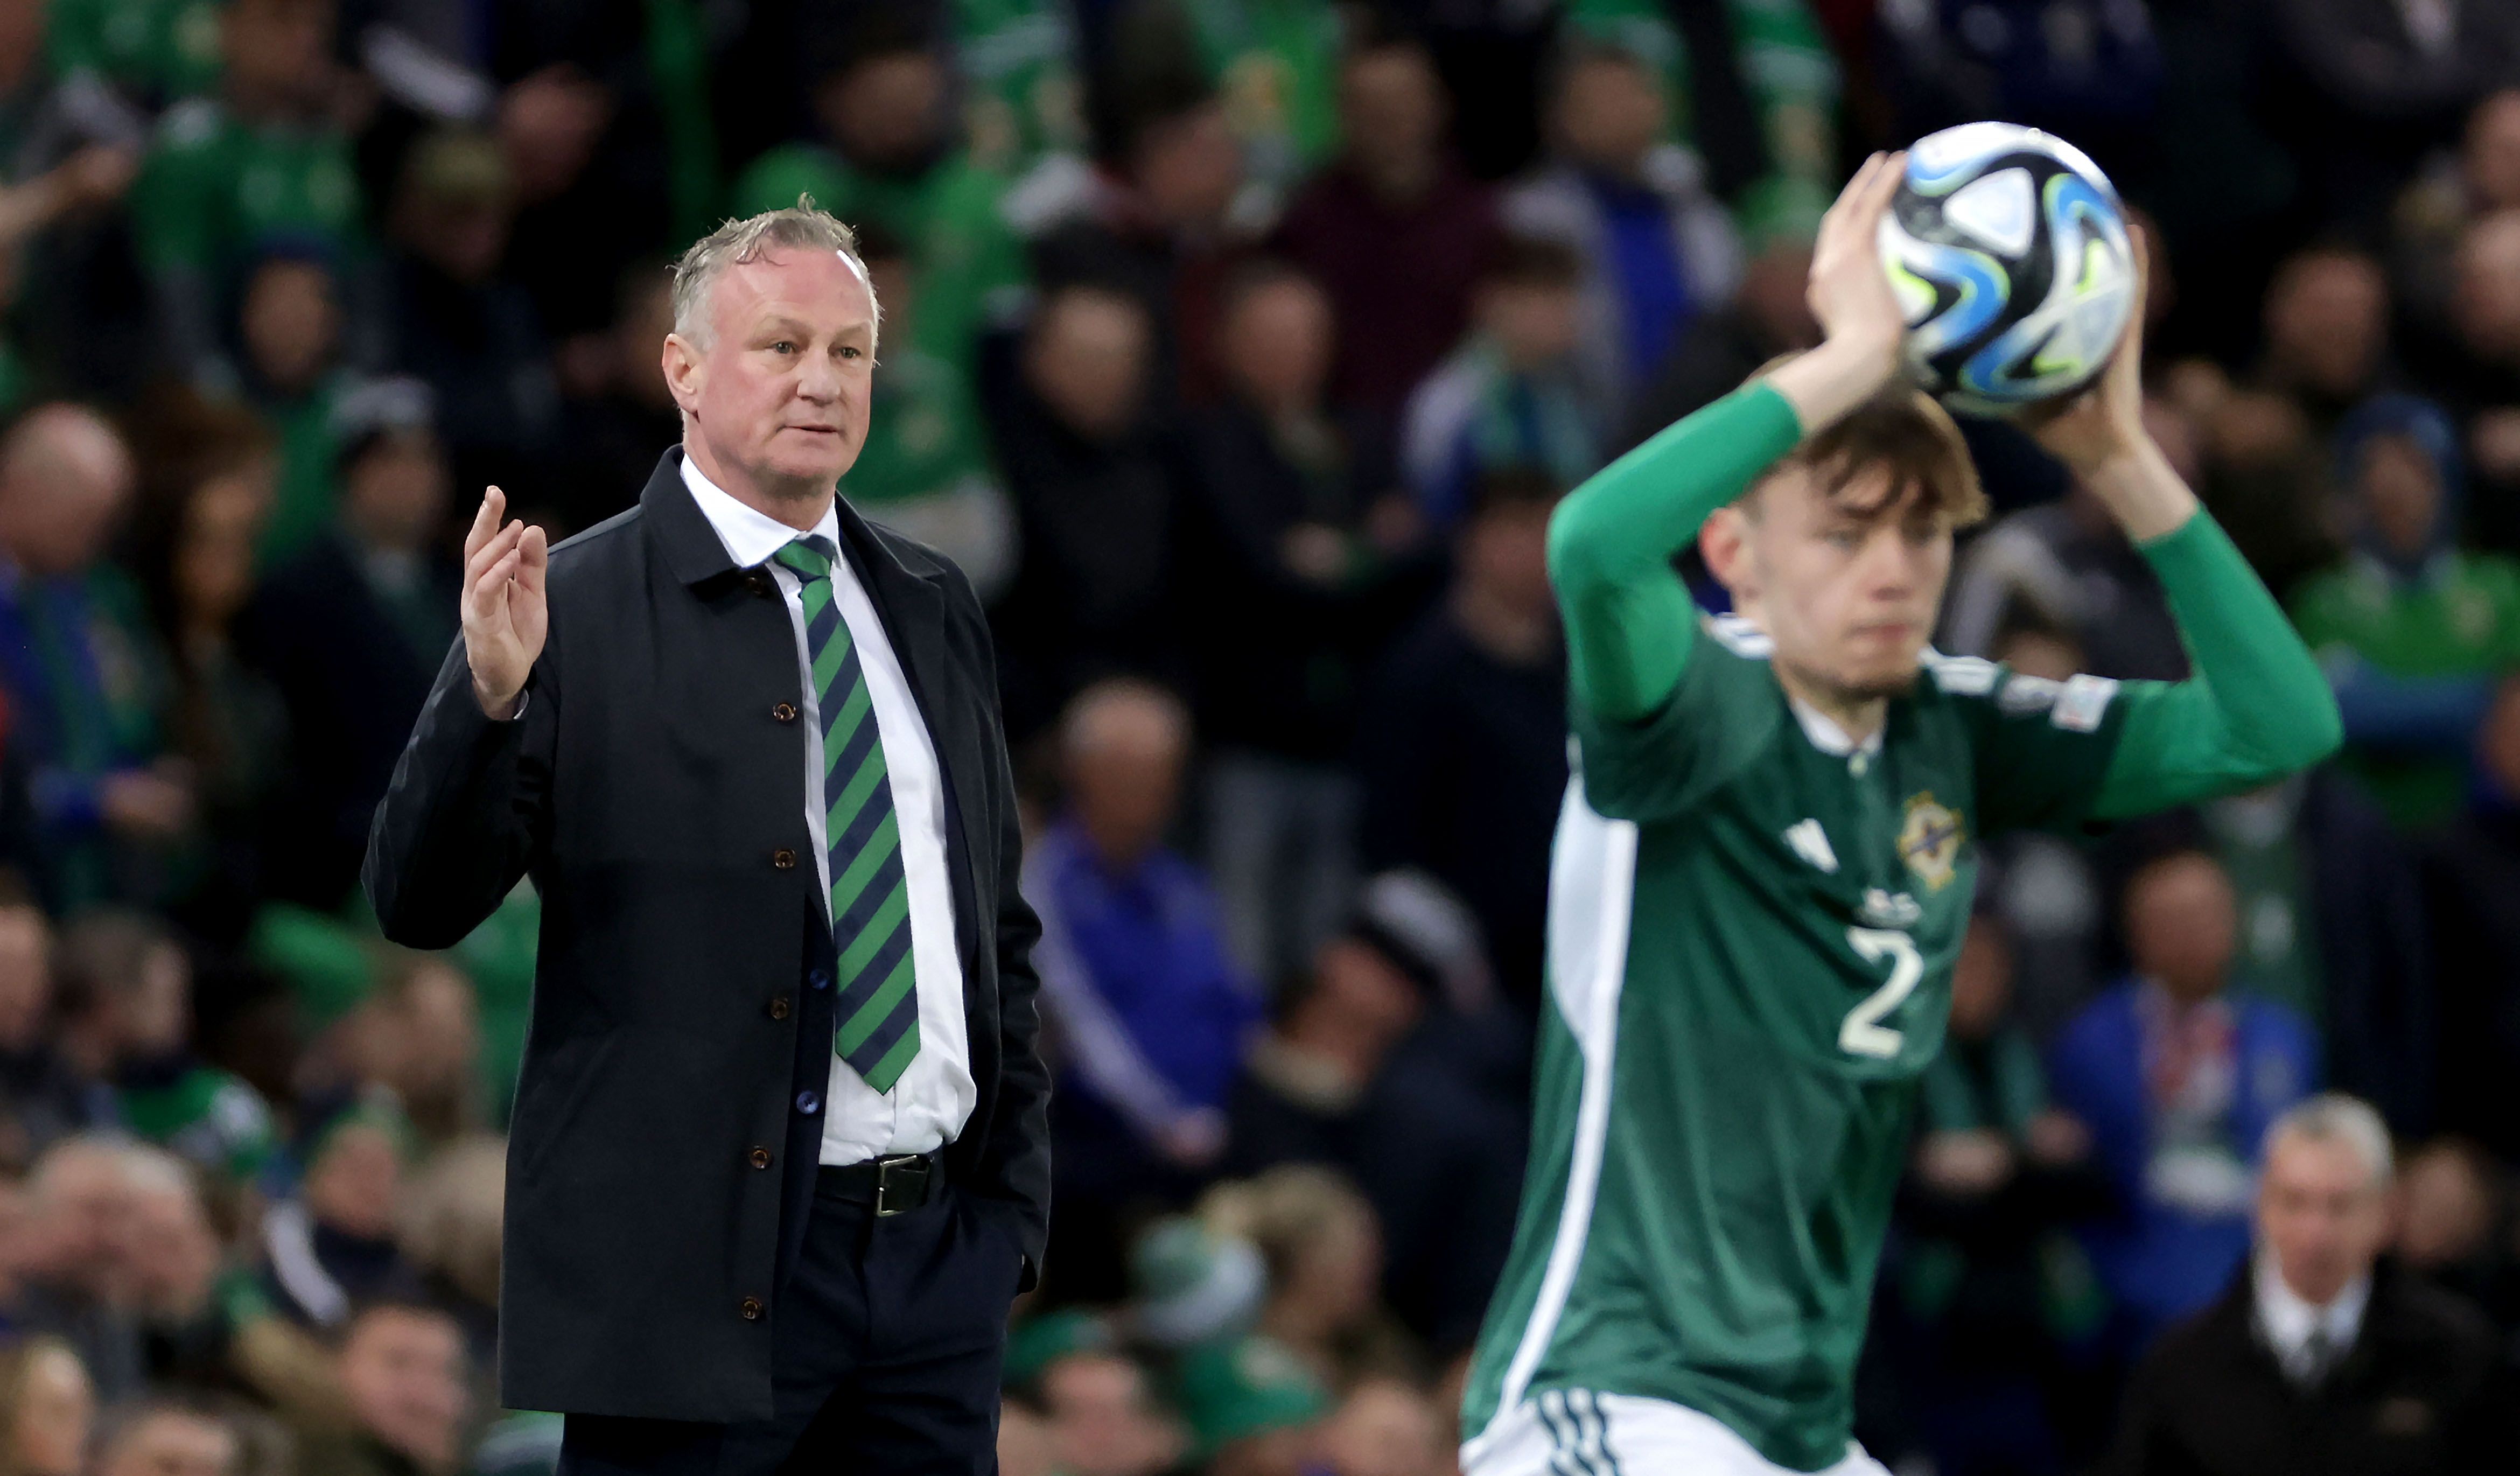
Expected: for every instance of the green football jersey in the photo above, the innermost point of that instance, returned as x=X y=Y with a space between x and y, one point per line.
x=1752 y=924
x=1750 y=966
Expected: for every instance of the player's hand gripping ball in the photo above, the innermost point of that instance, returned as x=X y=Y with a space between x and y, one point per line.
x=2008 y=249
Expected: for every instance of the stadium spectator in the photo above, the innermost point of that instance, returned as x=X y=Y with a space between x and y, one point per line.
x=77 y=665
x=620 y=417
x=162 y=1437
x=2327 y=332
x=1099 y=491
x=47 y=1407
x=73 y=1282
x=1154 y=1016
x=1152 y=219
x=2470 y=872
x=2177 y=1082
x=1656 y=248
x=352 y=631
x=2331 y=927
x=1386 y=1426
x=450 y=1231
x=2479 y=378
x=43 y=1098
x=1512 y=395
x=2322 y=1356
x=288 y=328
x=1023 y=109
x=401 y=1369
x=225 y=720
x=1302 y=559
x=887 y=157
x=2449 y=1219
x=1383 y=1066
x=2413 y=630
x=925 y=470
x=1277 y=71
x=1103 y=1418
x=1324 y=1251
x=1252 y=1408
x=267 y=154
x=133 y=979
x=1462 y=747
x=415 y=1039
x=457 y=324
x=1768 y=316
x=1393 y=229
x=1990 y=1288
x=333 y=1247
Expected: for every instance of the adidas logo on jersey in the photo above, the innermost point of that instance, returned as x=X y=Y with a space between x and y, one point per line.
x=1811 y=843
x=1883 y=908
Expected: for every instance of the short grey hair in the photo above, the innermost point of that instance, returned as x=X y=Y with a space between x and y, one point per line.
x=2335 y=1117
x=734 y=243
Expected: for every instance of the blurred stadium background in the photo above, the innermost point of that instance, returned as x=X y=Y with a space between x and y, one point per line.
x=1237 y=349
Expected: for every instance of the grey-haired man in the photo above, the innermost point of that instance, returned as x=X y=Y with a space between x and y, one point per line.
x=778 y=1160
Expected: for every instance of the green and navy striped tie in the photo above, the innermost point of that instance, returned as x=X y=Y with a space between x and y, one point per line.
x=879 y=1003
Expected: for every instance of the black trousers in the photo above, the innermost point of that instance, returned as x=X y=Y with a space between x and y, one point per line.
x=887 y=1340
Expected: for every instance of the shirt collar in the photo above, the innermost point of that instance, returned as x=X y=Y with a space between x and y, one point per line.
x=1828 y=738
x=750 y=534
x=2288 y=1320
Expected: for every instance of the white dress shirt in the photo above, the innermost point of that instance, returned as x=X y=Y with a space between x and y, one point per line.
x=2288 y=1320
x=927 y=1107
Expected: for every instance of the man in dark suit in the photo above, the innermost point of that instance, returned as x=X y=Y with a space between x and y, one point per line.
x=780 y=1156
x=2321 y=1358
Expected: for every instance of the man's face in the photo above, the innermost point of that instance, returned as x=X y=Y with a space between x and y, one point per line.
x=2493 y=154
x=1190 y=168
x=172 y=1444
x=1503 y=554
x=1535 y=323
x=1087 y=360
x=2321 y=1214
x=2182 y=925
x=2488 y=300
x=2400 y=489
x=2328 y=318
x=1101 y=1423
x=62 y=492
x=1278 y=344
x=1391 y=110
x=884 y=111
x=353 y=1185
x=1609 y=113
x=291 y=321
x=404 y=1373
x=778 y=388
x=1847 y=585
x=396 y=492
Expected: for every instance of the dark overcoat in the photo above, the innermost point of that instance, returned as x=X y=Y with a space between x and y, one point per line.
x=653 y=790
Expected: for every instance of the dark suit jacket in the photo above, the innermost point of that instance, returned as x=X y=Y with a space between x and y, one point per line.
x=653 y=790
x=2422 y=1390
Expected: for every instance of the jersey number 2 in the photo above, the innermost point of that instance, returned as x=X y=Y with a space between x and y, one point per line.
x=1863 y=1034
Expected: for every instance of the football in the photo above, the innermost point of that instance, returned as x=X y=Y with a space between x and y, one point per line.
x=2009 y=250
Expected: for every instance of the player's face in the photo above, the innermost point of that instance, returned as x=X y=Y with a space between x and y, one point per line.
x=1847 y=582
x=780 y=386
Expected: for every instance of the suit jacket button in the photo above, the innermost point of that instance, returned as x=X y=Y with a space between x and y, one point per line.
x=808 y=1104
x=757 y=582
x=750 y=1309
x=759 y=1157
x=779 y=1007
x=785 y=712
x=783 y=859
x=820 y=978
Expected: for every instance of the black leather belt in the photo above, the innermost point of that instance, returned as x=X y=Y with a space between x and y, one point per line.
x=894 y=1185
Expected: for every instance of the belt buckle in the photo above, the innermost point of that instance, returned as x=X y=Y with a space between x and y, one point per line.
x=910 y=1185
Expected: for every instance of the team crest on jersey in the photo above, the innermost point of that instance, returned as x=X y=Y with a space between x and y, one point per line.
x=1929 y=840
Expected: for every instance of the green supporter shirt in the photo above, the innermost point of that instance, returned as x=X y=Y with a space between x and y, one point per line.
x=157 y=49
x=948 y=216
x=2461 y=619
x=1751 y=937
x=215 y=185
x=1024 y=100
x=206 y=1116
x=302 y=503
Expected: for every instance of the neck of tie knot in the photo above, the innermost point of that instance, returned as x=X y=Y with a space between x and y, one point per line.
x=809 y=556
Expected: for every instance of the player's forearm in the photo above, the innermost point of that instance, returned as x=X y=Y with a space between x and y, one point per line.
x=1629 y=620
x=2256 y=707
x=2143 y=491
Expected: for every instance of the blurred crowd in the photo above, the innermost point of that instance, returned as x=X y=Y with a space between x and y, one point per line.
x=1237 y=349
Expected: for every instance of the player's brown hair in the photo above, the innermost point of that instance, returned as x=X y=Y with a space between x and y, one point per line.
x=1901 y=430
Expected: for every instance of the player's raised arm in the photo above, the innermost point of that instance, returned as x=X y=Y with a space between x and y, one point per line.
x=2256 y=707
x=1629 y=620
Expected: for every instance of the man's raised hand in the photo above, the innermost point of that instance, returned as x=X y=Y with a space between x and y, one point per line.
x=505 y=613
